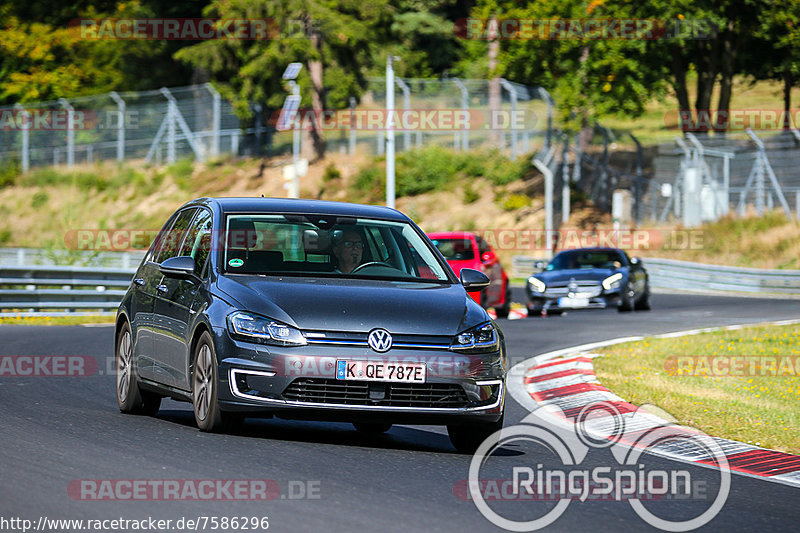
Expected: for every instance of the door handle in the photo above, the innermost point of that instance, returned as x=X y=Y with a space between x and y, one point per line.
x=161 y=288
x=138 y=282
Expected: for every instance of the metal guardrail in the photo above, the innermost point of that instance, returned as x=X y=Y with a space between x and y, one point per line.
x=683 y=275
x=699 y=277
x=46 y=288
x=33 y=256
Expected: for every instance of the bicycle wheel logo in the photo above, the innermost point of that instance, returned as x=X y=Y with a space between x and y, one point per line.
x=571 y=476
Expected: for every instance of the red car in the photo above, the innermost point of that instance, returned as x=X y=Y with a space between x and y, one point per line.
x=467 y=250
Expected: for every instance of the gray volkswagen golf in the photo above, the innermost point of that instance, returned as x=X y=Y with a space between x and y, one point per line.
x=302 y=309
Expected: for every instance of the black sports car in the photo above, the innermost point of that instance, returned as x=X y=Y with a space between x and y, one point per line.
x=587 y=278
x=306 y=309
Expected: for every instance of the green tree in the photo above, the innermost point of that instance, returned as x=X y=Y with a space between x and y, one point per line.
x=334 y=38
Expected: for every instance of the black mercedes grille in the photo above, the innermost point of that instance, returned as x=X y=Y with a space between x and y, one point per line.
x=320 y=390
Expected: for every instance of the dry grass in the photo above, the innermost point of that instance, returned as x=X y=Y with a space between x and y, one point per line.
x=751 y=406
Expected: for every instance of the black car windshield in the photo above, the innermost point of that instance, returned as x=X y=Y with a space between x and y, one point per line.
x=582 y=259
x=455 y=249
x=296 y=245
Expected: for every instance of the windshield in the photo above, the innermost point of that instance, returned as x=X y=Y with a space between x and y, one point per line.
x=306 y=245
x=455 y=249
x=586 y=260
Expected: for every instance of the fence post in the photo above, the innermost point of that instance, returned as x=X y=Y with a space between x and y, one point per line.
x=637 y=211
x=406 y=107
x=216 y=117
x=465 y=109
x=25 y=154
x=351 y=148
x=70 y=131
x=548 y=205
x=120 y=124
x=549 y=133
x=565 y=197
x=513 y=94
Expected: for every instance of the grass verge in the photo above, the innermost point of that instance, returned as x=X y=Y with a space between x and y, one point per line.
x=57 y=320
x=699 y=380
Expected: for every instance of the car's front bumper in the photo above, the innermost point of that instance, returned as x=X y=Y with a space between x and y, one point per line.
x=300 y=382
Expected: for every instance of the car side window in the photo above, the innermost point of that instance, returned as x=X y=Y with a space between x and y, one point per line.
x=197 y=243
x=172 y=240
x=483 y=247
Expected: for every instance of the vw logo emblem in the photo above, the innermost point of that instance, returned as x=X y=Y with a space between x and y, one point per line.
x=379 y=340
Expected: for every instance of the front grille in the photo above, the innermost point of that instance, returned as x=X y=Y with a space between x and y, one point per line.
x=333 y=391
x=586 y=289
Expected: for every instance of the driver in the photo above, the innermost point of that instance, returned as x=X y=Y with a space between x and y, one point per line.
x=348 y=251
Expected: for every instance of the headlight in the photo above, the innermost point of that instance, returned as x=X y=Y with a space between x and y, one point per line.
x=260 y=329
x=536 y=284
x=612 y=281
x=480 y=339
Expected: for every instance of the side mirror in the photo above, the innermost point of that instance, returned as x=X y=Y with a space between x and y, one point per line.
x=635 y=261
x=489 y=257
x=539 y=265
x=181 y=267
x=473 y=280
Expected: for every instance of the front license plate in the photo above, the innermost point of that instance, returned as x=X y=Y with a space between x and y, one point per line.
x=573 y=302
x=380 y=371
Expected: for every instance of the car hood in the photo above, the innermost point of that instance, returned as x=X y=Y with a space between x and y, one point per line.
x=595 y=274
x=356 y=305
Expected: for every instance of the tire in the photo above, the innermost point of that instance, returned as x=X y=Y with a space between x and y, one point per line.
x=130 y=398
x=534 y=312
x=643 y=303
x=626 y=299
x=372 y=428
x=205 y=390
x=467 y=437
x=502 y=312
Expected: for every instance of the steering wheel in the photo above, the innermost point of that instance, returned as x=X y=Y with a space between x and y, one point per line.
x=372 y=263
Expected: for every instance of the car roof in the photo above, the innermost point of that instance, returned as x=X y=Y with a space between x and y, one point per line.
x=592 y=249
x=450 y=235
x=300 y=206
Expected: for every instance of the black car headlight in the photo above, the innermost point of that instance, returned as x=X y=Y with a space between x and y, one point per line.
x=536 y=284
x=480 y=339
x=260 y=329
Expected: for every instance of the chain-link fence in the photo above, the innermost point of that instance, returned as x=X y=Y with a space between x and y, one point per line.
x=196 y=122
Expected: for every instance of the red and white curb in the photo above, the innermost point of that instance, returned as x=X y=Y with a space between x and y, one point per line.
x=561 y=383
x=513 y=314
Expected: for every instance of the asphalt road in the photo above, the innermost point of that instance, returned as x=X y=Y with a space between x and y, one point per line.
x=56 y=430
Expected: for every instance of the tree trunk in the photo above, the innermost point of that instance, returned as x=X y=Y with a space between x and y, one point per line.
x=706 y=79
x=721 y=121
x=685 y=120
x=494 y=84
x=787 y=99
x=316 y=147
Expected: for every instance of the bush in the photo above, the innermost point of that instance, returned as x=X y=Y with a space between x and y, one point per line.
x=39 y=199
x=470 y=194
x=331 y=173
x=516 y=201
x=9 y=171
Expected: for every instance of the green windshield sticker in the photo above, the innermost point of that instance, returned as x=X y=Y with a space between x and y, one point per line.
x=235 y=263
